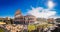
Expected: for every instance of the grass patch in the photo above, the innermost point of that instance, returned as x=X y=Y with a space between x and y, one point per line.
x=1 y=30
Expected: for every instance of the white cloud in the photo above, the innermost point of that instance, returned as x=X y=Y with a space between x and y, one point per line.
x=41 y=12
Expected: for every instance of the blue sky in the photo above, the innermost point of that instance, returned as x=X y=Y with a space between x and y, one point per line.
x=9 y=7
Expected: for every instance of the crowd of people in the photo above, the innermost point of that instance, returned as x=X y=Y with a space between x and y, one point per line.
x=55 y=28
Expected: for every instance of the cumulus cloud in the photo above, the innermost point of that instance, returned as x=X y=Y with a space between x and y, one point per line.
x=41 y=12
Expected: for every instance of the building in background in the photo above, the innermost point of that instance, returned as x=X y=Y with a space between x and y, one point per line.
x=57 y=20
x=51 y=20
x=8 y=20
x=2 y=21
x=41 y=19
x=20 y=19
x=30 y=19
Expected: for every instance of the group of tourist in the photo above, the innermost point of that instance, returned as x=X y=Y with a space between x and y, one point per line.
x=50 y=29
x=47 y=29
